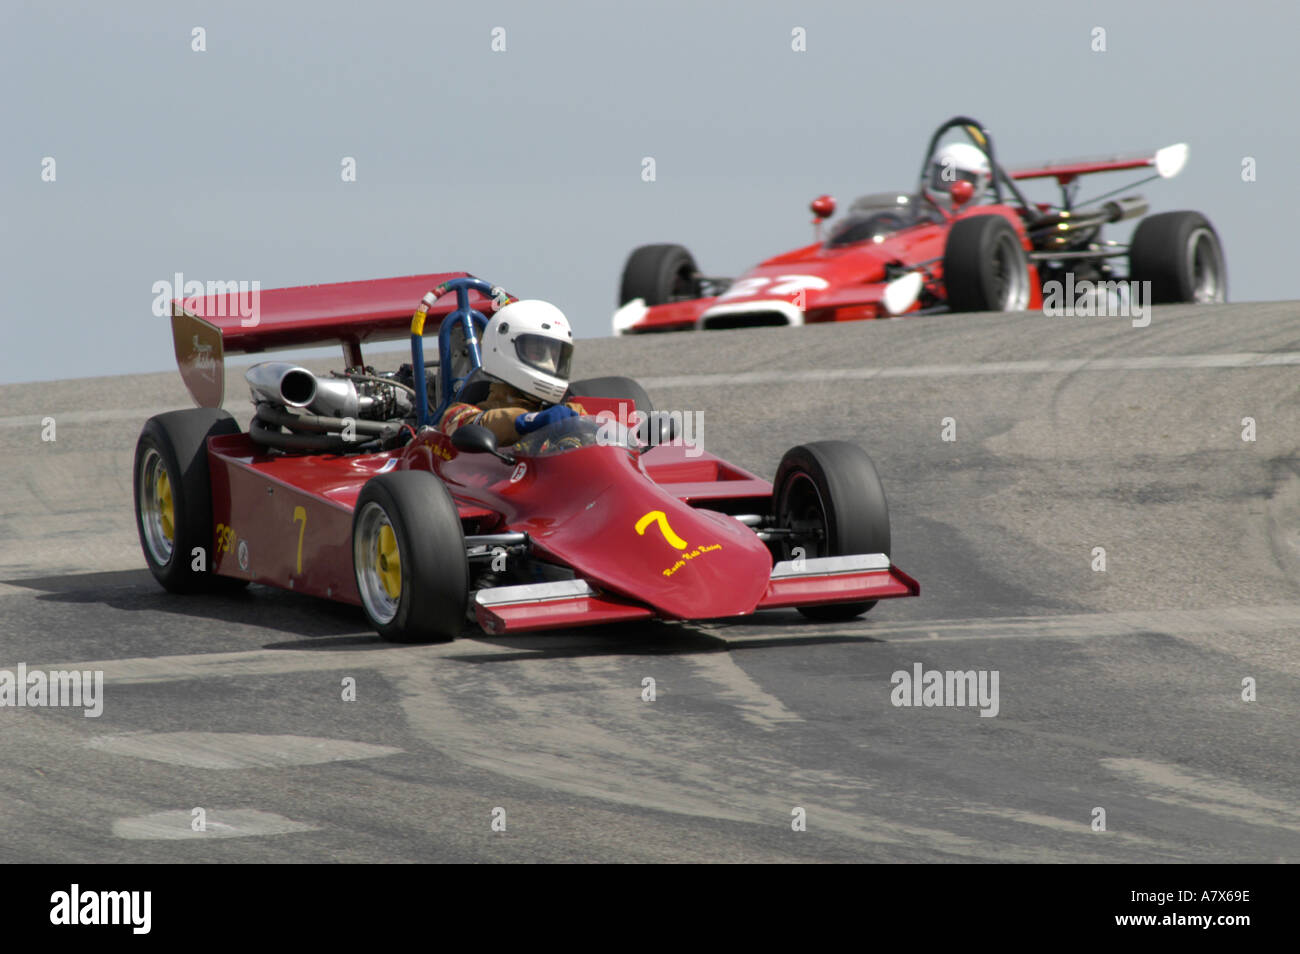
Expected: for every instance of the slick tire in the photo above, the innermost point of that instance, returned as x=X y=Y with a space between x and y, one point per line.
x=985 y=267
x=1179 y=253
x=613 y=388
x=659 y=274
x=624 y=389
x=831 y=488
x=173 y=497
x=408 y=555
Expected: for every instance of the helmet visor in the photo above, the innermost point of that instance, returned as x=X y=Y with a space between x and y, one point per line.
x=548 y=355
x=939 y=182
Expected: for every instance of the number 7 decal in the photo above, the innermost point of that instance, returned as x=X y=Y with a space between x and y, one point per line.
x=659 y=517
x=300 y=513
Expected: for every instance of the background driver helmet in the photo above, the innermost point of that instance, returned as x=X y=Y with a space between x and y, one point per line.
x=529 y=345
x=959 y=160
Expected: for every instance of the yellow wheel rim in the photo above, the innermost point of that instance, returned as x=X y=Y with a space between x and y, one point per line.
x=388 y=561
x=166 y=512
x=156 y=509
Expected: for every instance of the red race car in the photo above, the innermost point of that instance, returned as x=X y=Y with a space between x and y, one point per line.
x=965 y=240
x=342 y=489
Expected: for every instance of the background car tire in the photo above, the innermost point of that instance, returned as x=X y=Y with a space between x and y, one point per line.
x=985 y=267
x=659 y=274
x=851 y=499
x=175 y=445
x=1179 y=253
x=433 y=595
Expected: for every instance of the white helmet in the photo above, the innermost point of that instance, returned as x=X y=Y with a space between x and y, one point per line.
x=959 y=160
x=529 y=345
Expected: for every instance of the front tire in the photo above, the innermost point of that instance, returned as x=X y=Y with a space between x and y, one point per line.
x=173 y=496
x=830 y=494
x=1180 y=255
x=408 y=554
x=658 y=274
x=985 y=267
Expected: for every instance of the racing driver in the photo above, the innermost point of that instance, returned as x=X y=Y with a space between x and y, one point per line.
x=959 y=161
x=527 y=348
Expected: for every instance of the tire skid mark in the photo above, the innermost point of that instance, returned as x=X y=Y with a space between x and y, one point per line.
x=579 y=726
x=1175 y=785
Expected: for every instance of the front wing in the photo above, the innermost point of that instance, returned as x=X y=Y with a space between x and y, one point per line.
x=825 y=580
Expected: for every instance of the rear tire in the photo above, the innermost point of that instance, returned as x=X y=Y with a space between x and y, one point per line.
x=614 y=389
x=625 y=389
x=985 y=267
x=830 y=489
x=173 y=497
x=1179 y=253
x=408 y=518
x=658 y=274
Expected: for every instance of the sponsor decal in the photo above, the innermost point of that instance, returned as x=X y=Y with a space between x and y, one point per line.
x=691 y=555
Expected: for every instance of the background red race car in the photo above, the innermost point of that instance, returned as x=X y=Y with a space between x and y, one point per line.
x=341 y=488
x=943 y=247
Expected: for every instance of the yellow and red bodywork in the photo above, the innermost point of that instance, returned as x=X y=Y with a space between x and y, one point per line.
x=640 y=530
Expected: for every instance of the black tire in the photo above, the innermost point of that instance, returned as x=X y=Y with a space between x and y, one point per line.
x=1179 y=253
x=985 y=267
x=659 y=274
x=613 y=388
x=626 y=389
x=434 y=591
x=176 y=444
x=849 y=502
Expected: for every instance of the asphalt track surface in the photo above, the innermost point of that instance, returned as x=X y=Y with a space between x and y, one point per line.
x=1119 y=689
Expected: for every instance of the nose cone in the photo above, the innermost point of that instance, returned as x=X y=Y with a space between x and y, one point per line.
x=635 y=540
x=693 y=564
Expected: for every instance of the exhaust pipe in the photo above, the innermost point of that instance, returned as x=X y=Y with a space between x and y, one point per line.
x=336 y=398
x=278 y=382
x=1130 y=207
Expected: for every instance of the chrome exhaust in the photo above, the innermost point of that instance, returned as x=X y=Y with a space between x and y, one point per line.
x=278 y=382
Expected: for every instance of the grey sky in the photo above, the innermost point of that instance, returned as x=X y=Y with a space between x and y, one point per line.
x=524 y=167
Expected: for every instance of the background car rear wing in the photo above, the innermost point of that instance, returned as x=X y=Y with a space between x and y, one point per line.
x=1166 y=162
x=205 y=329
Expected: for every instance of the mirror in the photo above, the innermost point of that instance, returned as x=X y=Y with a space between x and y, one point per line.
x=823 y=207
x=474 y=439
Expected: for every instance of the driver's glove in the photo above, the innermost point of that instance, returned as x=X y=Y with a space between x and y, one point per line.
x=527 y=423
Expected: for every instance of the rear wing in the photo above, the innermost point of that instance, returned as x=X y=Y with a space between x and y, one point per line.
x=234 y=320
x=1167 y=162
